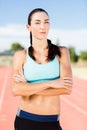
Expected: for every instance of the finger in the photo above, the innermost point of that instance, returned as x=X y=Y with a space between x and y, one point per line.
x=68 y=87
x=68 y=81
x=67 y=78
x=21 y=74
x=18 y=78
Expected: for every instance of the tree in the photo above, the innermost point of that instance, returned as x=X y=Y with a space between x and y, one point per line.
x=83 y=55
x=16 y=46
x=73 y=55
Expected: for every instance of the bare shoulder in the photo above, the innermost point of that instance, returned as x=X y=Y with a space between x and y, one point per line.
x=64 y=50
x=64 y=53
x=19 y=53
x=65 y=63
x=19 y=58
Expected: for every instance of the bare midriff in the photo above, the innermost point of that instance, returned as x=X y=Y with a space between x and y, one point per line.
x=38 y=104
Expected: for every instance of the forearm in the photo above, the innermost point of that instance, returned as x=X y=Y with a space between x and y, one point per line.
x=55 y=87
x=27 y=89
x=58 y=87
x=54 y=91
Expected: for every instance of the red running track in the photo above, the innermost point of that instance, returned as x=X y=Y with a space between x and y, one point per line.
x=73 y=107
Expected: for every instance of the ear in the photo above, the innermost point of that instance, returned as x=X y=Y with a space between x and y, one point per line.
x=28 y=27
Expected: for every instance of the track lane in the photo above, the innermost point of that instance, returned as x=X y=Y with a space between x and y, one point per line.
x=9 y=105
x=3 y=86
x=73 y=107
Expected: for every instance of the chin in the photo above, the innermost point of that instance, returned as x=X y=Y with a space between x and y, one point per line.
x=42 y=37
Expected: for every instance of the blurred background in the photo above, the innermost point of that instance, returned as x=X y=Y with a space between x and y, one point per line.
x=68 y=28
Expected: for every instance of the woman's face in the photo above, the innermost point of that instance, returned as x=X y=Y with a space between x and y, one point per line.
x=39 y=25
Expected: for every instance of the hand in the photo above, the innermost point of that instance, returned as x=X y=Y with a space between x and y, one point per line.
x=19 y=77
x=65 y=82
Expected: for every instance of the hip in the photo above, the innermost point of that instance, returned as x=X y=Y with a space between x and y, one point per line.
x=25 y=120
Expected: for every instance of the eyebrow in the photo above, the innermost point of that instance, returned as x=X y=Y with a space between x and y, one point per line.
x=40 y=20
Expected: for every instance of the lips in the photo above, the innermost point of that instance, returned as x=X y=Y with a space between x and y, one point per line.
x=43 y=32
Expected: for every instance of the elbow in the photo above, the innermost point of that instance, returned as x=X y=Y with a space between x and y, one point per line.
x=15 y=88
x=14 y=91
x=69 y=92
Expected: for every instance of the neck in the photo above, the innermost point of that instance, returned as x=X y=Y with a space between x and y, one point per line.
x=39 y=44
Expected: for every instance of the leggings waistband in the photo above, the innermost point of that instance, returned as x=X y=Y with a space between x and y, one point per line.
x=36 y=117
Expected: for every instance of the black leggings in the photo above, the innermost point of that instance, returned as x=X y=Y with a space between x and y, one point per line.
x=23 y=123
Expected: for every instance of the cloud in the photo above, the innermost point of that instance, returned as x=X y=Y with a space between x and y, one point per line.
x=13 y=30
x=13 y=33
x=18 y=33
x=76 y=38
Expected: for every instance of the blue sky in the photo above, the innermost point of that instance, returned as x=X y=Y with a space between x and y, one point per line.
x=63 y=13
x=65 y=16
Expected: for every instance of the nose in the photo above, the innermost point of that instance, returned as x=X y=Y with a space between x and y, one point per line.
x=42 y=25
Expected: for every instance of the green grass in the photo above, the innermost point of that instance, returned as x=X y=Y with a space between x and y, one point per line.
x=5 y=60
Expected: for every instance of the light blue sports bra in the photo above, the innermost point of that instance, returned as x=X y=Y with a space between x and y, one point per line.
x=35 y=72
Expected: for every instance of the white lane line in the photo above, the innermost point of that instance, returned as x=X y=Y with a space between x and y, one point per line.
x=75 y=106
x=4 y=88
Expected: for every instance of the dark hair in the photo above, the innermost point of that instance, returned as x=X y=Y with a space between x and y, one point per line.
x=53 y=49
x=35 y=11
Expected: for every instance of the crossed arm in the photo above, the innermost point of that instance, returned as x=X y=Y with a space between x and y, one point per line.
x=63 y=85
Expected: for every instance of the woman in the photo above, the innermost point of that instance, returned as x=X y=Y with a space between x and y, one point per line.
x=41 y=74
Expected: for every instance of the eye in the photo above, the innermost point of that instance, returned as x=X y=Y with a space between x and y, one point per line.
x=37 y=23
x=47 y=22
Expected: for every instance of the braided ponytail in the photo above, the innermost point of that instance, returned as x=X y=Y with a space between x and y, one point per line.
x=53 y=50
x=30 y=49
